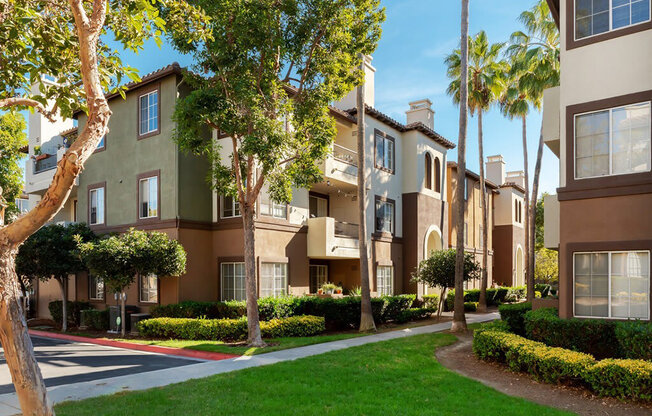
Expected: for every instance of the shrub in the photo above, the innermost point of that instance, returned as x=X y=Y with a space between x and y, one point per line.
x=74 y=311
x=592 y=336
x=621 y=378
x=229 y=329
x=430 y=301
x=514 y=315
x=497 y=325
x=516 y=293
x=495 y=296
x=635 y=339
x=277 y=307
x=95 y=319
x=470 y=306
x=543 y=288
x=414 y=314
x=191 y=309
x=394 y=305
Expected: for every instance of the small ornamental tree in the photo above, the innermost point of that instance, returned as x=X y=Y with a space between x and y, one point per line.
x=438 y=270
x=117 y=260
x=51 y=253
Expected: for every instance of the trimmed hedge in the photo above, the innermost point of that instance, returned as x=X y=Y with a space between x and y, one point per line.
x=495 y=295
x=74 y=312
x=414 y=314
x=514 y=316
x=229 y=329
x=470 y=306
x=191 y=309
x=626 y=379
x=430 y=301
x=95 y=319
x=635 y=339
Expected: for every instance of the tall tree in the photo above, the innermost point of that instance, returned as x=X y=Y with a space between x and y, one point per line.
x=485 y=82
x=459 y=319
x=51 y=253
x=64 y=39
x=537 y=50
x=12 y=139
x=266 y=82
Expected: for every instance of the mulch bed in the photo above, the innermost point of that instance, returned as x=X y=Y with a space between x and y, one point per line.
x=459 y=358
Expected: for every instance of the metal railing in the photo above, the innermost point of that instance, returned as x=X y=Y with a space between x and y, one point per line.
x=345 y=155
x=47 y=163
x=345 y=229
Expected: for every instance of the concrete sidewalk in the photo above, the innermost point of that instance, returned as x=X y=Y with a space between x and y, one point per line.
x=78 y=391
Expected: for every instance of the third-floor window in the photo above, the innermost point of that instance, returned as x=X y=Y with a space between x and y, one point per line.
x=384 y=151
x=593 y=17
x=148 y=111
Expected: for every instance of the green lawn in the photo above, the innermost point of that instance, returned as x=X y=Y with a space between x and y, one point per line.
x=398 y=377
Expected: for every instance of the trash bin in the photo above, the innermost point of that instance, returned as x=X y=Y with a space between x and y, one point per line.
x=114 y=314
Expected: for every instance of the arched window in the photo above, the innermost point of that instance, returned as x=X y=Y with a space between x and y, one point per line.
x=437 y=175
x=428 y=171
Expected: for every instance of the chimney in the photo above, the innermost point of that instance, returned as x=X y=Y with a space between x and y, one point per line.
x=421 y=111
x=496 y=169
x=349 y=101
x=517 y=177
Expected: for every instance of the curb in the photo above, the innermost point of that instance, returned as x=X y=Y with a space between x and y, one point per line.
x=180 y=352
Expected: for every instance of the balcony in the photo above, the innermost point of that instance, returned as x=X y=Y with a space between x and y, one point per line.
x=331 y=239
x=551 y=222
x=341 y=167
x=39 y=172
x=551 y=124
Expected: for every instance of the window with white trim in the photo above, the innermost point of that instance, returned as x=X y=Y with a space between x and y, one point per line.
x=148 y=108
x=95 y=287
x=233 y=279
x=148 y=195
x=149 y=288
x=318 y=276
x=384 y=216
x=317 y=206
x=22 y=204
x=384 y=151
x=613 y=141
x=96 y=197
x=612 y=284
x=593 y=17
x=271 y=208
x=230 y=207
x=273 y=279
x=385 y=280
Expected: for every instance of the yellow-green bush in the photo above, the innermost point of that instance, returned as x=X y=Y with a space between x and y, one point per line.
x=621 y=378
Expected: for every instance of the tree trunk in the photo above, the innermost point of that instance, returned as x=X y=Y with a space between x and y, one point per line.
x=17 y=346
x=459 y=320
x=367 y=323
x=529 y=278
x=533 y=208
x=482 y=303
x=253 y=322
x=123 y=313
x=440 y=307
x=63 y=284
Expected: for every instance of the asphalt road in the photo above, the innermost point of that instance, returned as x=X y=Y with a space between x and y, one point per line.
x=65 y=362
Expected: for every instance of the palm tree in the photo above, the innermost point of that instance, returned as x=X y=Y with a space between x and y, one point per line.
x=485 y=81
x=459 y=320
x=535 y=57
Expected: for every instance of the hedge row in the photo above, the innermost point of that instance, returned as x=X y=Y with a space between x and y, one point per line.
x=95 y=319
x=74 y=312
x=495 y=296
x=229 y=329
x=192 y=309
x=627 y=379
x=514 y=316
x=414 y=314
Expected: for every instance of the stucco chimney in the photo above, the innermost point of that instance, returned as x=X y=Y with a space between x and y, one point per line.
x=349 y=101
x=496 y=169
x=517 y=177
x=421 y=111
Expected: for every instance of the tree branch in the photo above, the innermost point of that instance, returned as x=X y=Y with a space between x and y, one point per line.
x=28 y=102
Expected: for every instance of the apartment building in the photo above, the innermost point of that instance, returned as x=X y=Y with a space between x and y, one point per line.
x=598 y=123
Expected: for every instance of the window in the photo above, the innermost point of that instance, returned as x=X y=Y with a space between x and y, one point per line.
x=95 y=288
x=466 y=189
x=428 y=171
x=612 y=284
x=149 y=289
x=317 y=206
x=271 y=208
x=515 y=211
x=385 y=280
x=437 y=175
x=148 y=197
x=273 y=279
x=101 y=144
x=230 y=207
x=384 y=216
x=22 y=204
x=148 y=113
x=318 y=276
x=520 y=213
x=613 y=142
x=384 y=151
x=593 y=17
x=96 y=197
x=480 y=240
x=233 y=281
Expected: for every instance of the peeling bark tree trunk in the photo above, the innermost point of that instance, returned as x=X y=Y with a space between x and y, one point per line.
x=532 y=213
x=459 y=320
x=482 y=304
x=367 y=323
x=253 y=321
x=529 y=278
x=63 y=284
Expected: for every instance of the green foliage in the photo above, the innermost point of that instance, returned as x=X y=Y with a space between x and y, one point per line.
x=74 y=311
x=514 y=316
x=12 y=139
x=635 y=339
x=229 y=329
x=546 y=268
x=470 y=306
x=119 y=259
x=95 y=319
x=497 y=325
x=430 y=301
x=192 y=309
x=414 y=314
x=538 y=223
x=625 y=379
x=495 y=296
x=438 y=270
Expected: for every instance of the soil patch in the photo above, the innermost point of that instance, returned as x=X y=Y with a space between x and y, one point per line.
x=459 y=358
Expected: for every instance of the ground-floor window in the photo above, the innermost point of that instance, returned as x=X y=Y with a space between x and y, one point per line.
x=233 y=278
x=318 y=276
x=612 y=284
x=95 y=288
x=149 y=288
x=385 y=280
x=273 y=279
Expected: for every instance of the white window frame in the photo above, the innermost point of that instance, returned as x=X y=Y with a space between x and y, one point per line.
x=235 y=206
x=234 y=276
x=276 y=291
x=611 y=29
x=392 y=217
x=149 y=289
x=99 y=207
x=149 y=194
x=149 y=114
x=381 y=289
x=273 y=206
x=22 y=204
x=649 y=304
x=386 y=159
x=610 y=155
x=98 y=281
x=317 y=283
x=318 y=198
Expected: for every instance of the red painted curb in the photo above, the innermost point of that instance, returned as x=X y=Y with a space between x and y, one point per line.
x=203 y=355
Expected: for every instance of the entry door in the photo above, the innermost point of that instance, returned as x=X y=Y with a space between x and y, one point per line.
x=318 y=206
x=318 y=276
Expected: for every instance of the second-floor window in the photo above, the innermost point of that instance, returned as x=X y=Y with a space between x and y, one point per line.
x=384 y=216
x=271 y=208
x=230 y=207
x=96 y=205
x=101 y=144
x=593 y=17
x=428 y=171
x=614 y=141
x=148 y=113
x=22 y=204
x=384 y=151
x=148 y=197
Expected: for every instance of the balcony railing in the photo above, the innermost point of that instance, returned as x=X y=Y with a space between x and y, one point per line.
x=47 y=163
x=345 y=155
x=345 y=229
